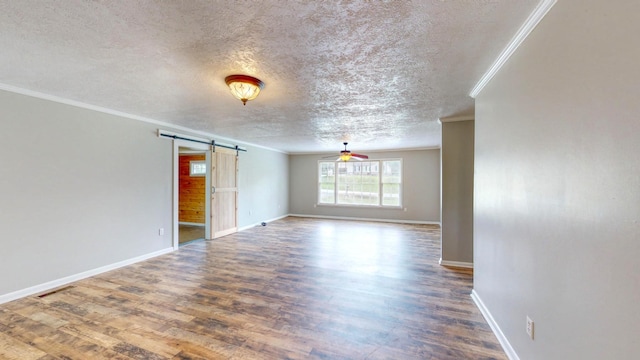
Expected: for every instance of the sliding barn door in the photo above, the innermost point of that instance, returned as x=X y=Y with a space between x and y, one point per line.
x=224 y=192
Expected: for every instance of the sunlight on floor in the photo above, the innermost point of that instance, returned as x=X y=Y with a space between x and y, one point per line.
x=361 y=250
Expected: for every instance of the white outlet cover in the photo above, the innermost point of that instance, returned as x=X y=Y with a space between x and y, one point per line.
x=530 y=328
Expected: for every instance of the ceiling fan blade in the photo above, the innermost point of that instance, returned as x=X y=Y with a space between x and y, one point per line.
x=346 y=155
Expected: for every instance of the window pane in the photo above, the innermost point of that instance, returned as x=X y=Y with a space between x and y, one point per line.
x=345 y=183
x=391 y=172
x=197 y=168
x=370 y=194
x=391 y=182
x=326 y=183
x=391 y=194
x=344 y=195
x=358 y=183
x=327 y=194
x=327 y=172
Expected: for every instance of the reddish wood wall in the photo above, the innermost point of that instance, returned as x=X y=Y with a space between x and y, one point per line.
x=191 y=202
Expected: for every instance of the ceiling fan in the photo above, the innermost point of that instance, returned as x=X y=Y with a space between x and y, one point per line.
x=346 y=155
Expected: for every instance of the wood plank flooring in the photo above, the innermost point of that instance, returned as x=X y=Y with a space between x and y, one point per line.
x=294 y=289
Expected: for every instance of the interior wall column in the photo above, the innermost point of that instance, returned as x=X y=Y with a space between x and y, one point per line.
x=456 y=161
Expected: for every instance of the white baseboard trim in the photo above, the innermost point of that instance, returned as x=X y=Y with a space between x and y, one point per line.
x=190 y=223
x=466 y=265
x=83 y=275
x=506 y=346
x=368 y=219
x=259 y=223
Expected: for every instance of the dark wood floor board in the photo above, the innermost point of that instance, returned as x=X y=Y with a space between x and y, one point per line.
x=294 y=289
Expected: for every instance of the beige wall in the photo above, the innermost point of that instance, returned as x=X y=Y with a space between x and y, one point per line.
x=421 y=198
x=557 y=186
x=457 y=193
x=263 y=186
x=89 y=203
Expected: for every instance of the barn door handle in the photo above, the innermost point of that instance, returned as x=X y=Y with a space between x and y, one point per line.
x=213 y=190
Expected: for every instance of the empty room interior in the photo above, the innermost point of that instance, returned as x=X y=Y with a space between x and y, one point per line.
x=320 y=180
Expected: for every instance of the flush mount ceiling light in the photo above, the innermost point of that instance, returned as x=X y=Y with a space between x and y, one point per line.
x=244 y=87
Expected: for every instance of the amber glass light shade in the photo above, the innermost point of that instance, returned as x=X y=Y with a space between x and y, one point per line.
x=244 y=87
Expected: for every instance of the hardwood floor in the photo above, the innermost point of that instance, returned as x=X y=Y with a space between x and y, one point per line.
x=295 y=289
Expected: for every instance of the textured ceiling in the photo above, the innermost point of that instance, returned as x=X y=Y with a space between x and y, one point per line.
x=375 y=73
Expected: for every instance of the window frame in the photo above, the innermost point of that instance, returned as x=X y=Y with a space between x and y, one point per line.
x=380 y=186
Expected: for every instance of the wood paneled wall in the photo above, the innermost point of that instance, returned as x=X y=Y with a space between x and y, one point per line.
x=191 y=202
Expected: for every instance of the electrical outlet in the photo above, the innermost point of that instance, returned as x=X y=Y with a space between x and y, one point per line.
x=161 y=231
x=530 y=327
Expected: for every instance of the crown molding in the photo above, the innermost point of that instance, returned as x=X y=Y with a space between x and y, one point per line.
x=79 y=104
x=534 y=19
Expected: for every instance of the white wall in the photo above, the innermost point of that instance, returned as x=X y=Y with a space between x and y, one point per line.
x=421 y=198
x=80 y=190
x=557 y=186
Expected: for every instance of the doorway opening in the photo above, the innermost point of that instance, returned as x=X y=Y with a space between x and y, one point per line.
x=192 y=201
x=191 y=191
x=220 y=170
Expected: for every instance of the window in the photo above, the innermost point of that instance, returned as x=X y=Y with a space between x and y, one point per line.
x=391 y=182
x=327 y=183
x=197 y=168
x=361 y=183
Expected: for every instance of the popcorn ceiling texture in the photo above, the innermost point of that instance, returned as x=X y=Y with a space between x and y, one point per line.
x=375 y=73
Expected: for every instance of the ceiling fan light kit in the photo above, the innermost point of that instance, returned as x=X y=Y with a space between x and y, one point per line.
x=346 y=155
x=244 y=87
